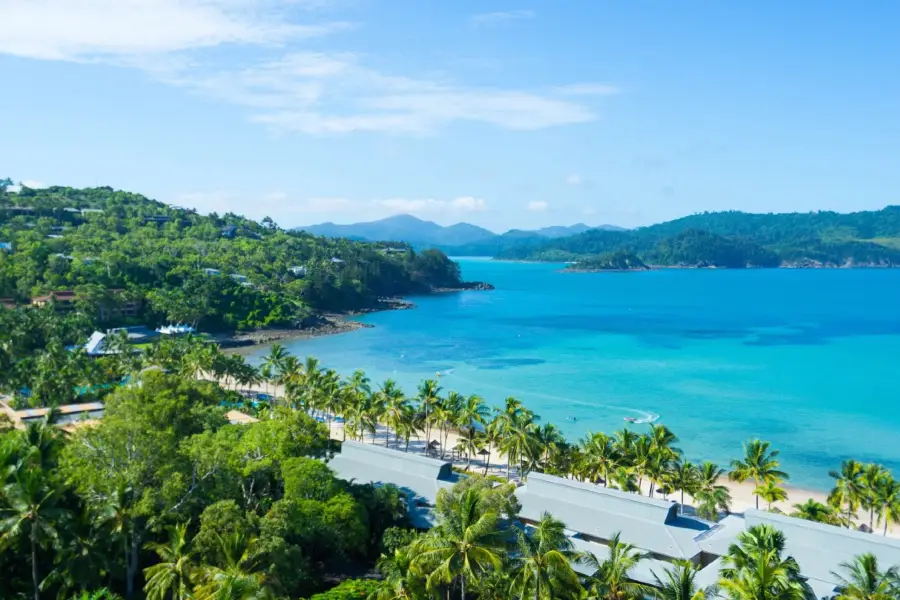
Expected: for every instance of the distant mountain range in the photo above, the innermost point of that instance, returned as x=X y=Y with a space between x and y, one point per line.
x=420 y=233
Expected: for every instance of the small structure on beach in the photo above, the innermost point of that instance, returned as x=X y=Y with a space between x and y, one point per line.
x=176 y=329
x=236 y=417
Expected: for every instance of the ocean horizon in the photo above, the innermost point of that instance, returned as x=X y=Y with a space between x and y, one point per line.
x=806 y=359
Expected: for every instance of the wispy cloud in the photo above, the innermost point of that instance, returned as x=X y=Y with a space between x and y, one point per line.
x=292 y=209
x=86 y=30
x=321 y=93
x=573 y=179
x=537 y=206
x=490 y=19
x=29 y=183
x=588 y=89
x=279 y=85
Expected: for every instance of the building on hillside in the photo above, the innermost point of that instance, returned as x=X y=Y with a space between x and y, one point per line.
x=91 y=211
x=63 y=256
x=229 y=231
x=297 y=271
x=64 y=300
x=8 y=303
x=6 y=246
x=417 y=476
x=336 y=261
x=594 y=514
x=157 y=219
x=212 y=272
x=96 y=345
x=69 y=414
x=238 y=277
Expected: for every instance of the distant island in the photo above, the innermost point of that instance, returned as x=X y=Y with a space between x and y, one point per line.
x=620 y=261
x=732 y=240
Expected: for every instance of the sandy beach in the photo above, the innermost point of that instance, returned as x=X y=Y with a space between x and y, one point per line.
x=742 y=497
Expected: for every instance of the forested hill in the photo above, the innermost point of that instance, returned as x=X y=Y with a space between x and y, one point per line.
x=737 y=239
x=118 y=250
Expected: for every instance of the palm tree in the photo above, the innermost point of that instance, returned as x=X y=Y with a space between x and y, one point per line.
x=429 y=397
x=274 y=360
x=812 y=510
x=396 y=407
x=173 y=572
x=611 y=579
x=711 y=495
x=400 y=582
x=871 y=476
x=848 y=488
x=491 y=437
x=543 y=563
x=771 y=492
x=471 y=411
x=442 y=415
x=685 y=477
x=759 y=465
x=31 y=510
x=754 y=568
x=237 y=579
x=463 y=547
x=887 y=501
x=865 y=581
x=677 y=583
x=600 y=456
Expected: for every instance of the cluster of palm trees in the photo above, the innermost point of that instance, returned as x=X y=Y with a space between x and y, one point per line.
x=867 y=487
x=647 y=462
x=177 y=577
x=475 y=552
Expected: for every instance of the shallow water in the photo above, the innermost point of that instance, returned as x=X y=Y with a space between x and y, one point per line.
x=808 y=359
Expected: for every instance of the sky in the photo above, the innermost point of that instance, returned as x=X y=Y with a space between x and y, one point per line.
x=505 y=114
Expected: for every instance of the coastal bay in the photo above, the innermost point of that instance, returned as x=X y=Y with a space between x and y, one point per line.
x=804 y=359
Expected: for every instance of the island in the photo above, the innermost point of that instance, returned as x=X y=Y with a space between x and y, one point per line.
x=617 y=262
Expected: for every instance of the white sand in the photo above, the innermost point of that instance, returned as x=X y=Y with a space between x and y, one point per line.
x=742 y=497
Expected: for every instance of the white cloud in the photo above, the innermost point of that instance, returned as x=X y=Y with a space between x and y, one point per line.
x=430 y=205
x=92 y=29
x=279 y=86
x=573 y=179
x=320 y=93
x=499 y=17
x=537 y=206
x=286 y=208
x=29 y=183
x=588 y=89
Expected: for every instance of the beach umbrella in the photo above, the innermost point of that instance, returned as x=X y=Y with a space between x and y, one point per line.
x=434 y=444
x=483 y=452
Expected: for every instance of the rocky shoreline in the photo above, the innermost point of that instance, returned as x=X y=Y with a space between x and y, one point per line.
x=330 y=323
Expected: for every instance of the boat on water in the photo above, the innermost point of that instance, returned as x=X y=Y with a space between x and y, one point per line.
x=630 y=420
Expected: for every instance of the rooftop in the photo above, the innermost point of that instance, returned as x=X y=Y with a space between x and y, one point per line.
x=598 y=512
x=416 y=475
x=236 y=417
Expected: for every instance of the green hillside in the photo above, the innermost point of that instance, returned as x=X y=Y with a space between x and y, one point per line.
x=736 y=239
x=118 y=250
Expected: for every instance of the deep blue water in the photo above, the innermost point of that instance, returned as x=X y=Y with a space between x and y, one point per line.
x=808 y=359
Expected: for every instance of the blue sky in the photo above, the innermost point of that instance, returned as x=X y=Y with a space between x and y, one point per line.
x=500 y=113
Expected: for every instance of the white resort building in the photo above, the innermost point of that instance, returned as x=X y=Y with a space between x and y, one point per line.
x=594 y=514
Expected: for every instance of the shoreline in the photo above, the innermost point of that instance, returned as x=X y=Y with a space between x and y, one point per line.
x=742 y=497
x=331 y=323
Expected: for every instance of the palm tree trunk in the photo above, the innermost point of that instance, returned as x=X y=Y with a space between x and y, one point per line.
x=34 y=565
x=487 y=462
x=462 y=584
x=885 y=523
x=507 y=466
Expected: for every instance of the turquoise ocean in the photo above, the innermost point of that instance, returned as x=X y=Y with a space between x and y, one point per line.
x=808 y=359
